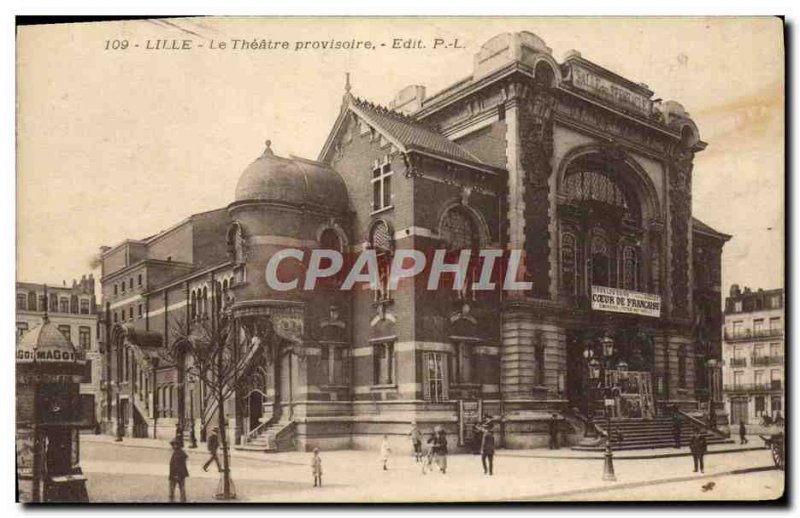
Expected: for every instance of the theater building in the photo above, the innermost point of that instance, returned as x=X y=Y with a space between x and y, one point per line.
x=574 y=165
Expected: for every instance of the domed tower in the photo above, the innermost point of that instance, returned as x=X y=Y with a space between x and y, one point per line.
x=286 y=203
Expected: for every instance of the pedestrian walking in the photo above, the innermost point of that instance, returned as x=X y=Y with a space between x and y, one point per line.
x=177 y=471
x=554 y=432
x=742 y=433
x=698 y=447
x=487 y=450
x=416 y=441
x=213 y=445
x=316 y=468
x=427 y=461
x=385 y=451
x=439 y=441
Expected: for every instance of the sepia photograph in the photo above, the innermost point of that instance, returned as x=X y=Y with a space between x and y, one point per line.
x=389 y=260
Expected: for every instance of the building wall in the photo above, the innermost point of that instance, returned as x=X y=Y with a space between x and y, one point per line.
x=753 y=361
x=29 y=317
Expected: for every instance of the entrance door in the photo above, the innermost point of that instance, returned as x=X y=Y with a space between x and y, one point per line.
x=124 y=412
x=739 y=410
x=633 y=393
x=255 y=404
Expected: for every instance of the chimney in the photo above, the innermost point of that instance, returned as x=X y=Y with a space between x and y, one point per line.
x=409 y=99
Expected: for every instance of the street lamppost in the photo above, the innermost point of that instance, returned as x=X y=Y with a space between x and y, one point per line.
x=591 y=365
x=608 y=352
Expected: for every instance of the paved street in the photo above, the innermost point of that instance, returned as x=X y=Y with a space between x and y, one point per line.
x=125 y=473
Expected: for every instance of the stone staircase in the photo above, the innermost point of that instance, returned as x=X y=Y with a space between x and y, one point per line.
x=634 y=434
x=270 y=438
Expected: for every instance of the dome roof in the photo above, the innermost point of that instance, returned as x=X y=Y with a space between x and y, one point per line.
x=294 y=181
x=46 y=344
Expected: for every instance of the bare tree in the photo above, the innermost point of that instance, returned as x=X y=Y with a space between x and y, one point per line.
x=209 y=339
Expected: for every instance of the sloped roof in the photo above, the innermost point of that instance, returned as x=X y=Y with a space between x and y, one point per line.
x=412 y=134
x=702 y=227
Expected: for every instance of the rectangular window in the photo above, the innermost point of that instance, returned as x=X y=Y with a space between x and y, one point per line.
x=737 y=306
x=738 y=329
x=325 y=364
x=139 y=281
x=758 y=326
x=66 y=331
x=758 y=351
x=774 y=350
x=63 y=305
x=338 y=366
x=383 y=363
x=463 y=369
x=382 y=185
x=738 y=378
x=776 y=404
x=85 y=337
x=775 y=379
x=140 y=311
x=116 y=317
x=759 y=377
x=130 y=283
x=759 y=403
x=775 y=324
x=774 y=301
x=115 y=290
x=85 y=307
x=22 y=302
x=434 y=377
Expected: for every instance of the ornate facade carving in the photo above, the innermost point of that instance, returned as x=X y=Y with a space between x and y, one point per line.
x=536 y=139
x=680 y=200
x=618 y=126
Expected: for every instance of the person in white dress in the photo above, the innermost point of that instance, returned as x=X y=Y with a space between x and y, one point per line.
x=385 y=451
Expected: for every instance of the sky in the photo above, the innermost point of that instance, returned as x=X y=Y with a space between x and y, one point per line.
x=116 y=144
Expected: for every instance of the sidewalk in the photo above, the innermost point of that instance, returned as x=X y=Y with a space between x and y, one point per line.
x=135 y=470
x=540 y=453
x=163 y=444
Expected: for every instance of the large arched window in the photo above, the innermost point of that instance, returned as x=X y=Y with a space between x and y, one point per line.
x=568 y=263
x=600 y=218
x=591 y=187
x=459 y=231
x=600 y=262
x=630 y=268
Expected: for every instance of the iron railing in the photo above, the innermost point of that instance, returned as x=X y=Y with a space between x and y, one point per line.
x=754 y=387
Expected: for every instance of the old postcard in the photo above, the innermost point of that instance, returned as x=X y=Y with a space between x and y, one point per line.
x=411 y=259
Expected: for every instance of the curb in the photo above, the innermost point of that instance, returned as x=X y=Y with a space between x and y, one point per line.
x=631 y=485
x=600 y=455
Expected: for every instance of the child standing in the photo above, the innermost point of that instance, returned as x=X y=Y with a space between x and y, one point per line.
x=385 y=451
x=316 y=468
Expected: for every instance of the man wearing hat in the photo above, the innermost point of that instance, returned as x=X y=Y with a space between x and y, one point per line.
x=213 y=446
x=177 y=470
